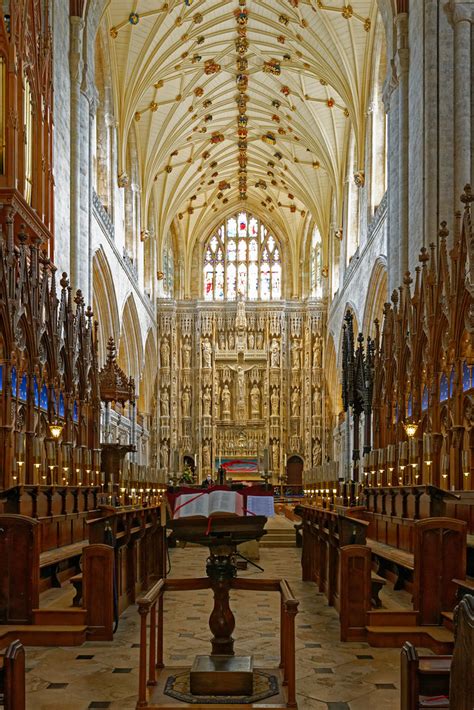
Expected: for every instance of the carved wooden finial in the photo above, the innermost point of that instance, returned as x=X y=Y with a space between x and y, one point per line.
x=79 y=298
x=395 y=297
x=22 y=235
x=89 y=312
x=407 y=279
x=64 y=283
x=423 y=256
x=443 y=232
x=466 y=197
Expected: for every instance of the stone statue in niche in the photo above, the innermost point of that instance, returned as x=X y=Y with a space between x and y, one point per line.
x=255 y=401
x=317 y=354
x=164 y=454
x=165 y=353
x=295 y=403
x=295 y=355
x=317 y=453
x=186 y=403
x=274 y=403
x=316 y=401
x=226 y=399
x=206 y=456
x=221 y=340
x=186 y=354
x=251 y=341
x=231 y=340
x=165 y=403
x=241 y=393
x=275 y=456
x=206 y=353
x=259 y=340
x=275 y=353
x=206 y=403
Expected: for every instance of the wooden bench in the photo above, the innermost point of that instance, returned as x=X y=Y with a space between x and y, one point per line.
x=12 y=677
x=52 y=561
x=376 y=583
x=76 y=582
x=424 y=679
x=465 y=586
x=396 y=564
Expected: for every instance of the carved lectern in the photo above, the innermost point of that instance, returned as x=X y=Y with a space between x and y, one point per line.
x=225 y=673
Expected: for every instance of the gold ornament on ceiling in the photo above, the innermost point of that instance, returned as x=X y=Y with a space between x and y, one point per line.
x=347 y=12
x=211 y=67
x=272 y=67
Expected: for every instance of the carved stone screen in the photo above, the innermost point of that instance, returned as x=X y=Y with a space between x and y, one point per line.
x=237 y=377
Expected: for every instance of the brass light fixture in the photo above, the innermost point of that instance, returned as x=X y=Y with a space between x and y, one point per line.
x=410 y=428
x=55 y=429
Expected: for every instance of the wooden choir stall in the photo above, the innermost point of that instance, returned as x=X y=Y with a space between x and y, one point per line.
x=393 y=548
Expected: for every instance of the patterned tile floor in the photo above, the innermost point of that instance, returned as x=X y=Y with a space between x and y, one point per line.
x=330 y=674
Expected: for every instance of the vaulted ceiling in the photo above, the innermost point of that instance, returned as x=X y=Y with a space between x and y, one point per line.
x=296 y=72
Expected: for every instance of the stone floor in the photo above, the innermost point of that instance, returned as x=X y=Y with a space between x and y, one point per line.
x=330 y=674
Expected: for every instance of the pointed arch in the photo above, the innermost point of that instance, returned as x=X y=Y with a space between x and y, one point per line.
x=333 y=383
x=377 y=296
x=130 y=349
x=147 y=382
x=104 y=302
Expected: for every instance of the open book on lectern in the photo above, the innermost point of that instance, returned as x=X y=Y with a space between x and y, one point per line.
x=217 y=501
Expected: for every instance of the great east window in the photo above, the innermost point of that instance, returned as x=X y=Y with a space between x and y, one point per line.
x=242 y=259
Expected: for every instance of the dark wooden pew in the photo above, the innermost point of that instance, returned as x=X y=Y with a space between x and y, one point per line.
x=12 y=677
x=424 y=679
x=442 y=681
x=462 y=668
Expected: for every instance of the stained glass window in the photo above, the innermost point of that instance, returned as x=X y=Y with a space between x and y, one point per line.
x=424 y=399
x=44 y=398
x=466 y=377
x=242 y=259
x=452 y=379
x=316 y=265
x=61 y=405
x=23 y=392
x=443 y=388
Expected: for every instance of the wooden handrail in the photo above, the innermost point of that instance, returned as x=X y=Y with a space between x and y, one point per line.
x=151 y=604
x=152 y=595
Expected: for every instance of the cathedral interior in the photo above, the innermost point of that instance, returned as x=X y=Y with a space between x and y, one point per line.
x=235 y=248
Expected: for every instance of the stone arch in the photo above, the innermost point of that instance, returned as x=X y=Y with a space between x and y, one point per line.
x=147 y=383
x=377 y=296
x=104 y=302
x=130 y=347
x=333 y=384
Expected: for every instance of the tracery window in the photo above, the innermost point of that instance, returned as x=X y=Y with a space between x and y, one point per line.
x=242 y=259
x=316 y=265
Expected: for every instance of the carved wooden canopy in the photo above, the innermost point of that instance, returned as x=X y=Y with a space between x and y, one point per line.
x=114 y=384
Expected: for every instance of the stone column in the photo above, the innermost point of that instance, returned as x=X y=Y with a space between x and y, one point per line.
x=462 y=19
x=401 y=64
x=390 y=99
x=76 y=66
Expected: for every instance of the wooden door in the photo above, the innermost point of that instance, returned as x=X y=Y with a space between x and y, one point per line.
x=294 y=470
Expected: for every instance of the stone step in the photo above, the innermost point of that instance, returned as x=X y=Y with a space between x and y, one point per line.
x=277 y=543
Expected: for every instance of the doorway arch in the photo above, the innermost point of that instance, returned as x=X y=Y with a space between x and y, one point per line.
x=294 y=471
